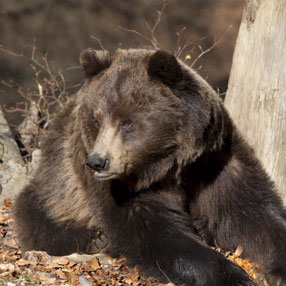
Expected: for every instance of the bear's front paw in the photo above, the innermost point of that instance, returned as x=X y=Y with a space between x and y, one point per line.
x=98 y=242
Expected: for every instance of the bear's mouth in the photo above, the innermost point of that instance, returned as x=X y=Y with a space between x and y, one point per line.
x=104 y=176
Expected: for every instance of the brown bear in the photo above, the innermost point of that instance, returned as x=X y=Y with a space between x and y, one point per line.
x=146 y=156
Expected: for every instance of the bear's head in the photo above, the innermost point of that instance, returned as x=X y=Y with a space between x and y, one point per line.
x=143 y=115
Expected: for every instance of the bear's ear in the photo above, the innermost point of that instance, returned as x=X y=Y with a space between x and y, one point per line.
x=165 y=67
x=94 y=61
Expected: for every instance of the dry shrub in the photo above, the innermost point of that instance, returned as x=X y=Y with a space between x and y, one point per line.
x=37 y=103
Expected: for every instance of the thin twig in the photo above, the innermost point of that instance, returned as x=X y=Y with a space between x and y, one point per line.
x=215 y=43
x=151 y=38
x=99 y=42
x=162 y=271
x=158 y=20
x=136 y=33
x=49 y=90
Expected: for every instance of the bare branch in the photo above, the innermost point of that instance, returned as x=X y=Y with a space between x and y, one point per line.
x=48 y=91
x=137 y=33
x=99 y=42
x=216 y=42
x=152 y=38
x=159 y=18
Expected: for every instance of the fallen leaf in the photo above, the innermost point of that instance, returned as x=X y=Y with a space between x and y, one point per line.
x=238 y=251
x=7 y=202
x=6 y=269
x=78 y=268
x=61 y=261
x=93 y=263
x=46 y=278
x=61 y=274
x=38 y=256
x=10 y=242
x=4 y=218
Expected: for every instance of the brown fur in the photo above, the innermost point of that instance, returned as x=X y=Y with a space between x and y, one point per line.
x=174 y=169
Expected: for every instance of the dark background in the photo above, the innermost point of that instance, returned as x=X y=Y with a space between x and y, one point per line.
x=63 y=28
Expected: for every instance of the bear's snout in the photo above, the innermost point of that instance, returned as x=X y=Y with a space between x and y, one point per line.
x=97 y=163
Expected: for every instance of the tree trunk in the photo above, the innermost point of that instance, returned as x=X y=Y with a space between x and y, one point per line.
x=256 y=96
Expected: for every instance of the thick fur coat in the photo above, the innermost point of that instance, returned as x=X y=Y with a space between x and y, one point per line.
x=145 y=162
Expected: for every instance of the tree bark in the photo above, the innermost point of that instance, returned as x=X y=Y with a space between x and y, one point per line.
x=256 y=96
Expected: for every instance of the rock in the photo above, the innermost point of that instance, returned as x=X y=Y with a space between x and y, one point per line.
x=105 y=260
x=8 y=146
x=28 y=129
x=36 y=157
x=13 y=172
x=13 y=177
x=38 y=256
x=4 y=128
x=83 y=281
x=80 y=258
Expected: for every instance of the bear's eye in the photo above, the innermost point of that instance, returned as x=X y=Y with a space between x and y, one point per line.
x=126 y=124
x=96 y=122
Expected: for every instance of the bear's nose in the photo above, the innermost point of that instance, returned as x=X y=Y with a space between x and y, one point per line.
x=97 y=163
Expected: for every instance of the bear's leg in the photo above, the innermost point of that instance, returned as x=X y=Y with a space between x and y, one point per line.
x=262 y=234
x=36 y=231
x=159 y=239
x=253 y=220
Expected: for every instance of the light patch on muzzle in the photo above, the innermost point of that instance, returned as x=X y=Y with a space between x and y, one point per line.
x=109 y=145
